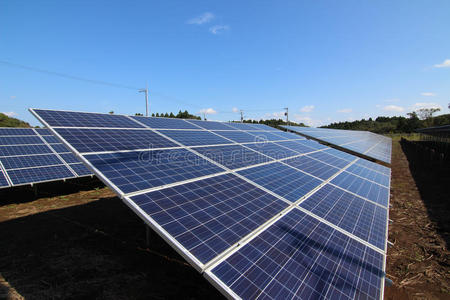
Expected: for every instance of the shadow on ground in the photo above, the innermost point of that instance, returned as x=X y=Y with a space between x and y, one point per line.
x=94 y=251
x=28 y=193
x=432 y=179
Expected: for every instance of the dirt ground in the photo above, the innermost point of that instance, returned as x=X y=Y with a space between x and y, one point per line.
x=76 y=240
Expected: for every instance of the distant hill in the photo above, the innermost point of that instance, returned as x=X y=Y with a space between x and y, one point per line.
x=6 y=121
x=392 y=124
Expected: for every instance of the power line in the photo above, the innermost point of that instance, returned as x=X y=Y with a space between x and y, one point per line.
x=68 y=76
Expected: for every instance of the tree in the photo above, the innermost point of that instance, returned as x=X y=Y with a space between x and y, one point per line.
x=426 y=115
x=139 y=114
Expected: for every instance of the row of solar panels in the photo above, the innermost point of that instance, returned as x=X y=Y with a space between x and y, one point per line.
x=33 y=155
x=363 y=142
x=262 y=214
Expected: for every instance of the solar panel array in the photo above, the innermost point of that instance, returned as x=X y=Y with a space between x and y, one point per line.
x=260 y=212
x=364 y=142
x=29 y=155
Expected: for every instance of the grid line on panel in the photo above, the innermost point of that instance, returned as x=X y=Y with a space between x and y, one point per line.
x=301 y=257
x=349 y=212
x=209 y=216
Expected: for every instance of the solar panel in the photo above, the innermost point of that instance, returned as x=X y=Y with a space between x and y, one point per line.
x=285 y=181
x=300 y=257
x=362 y=218
x=363 y=142
x=166 y=123
x=273 y=150
x=208 y=216
x=140 y=170
x=238 y=136
x=30 y=156
x=258 y=218
x=95 y=140
x=195 y=138
x=210 y=125
x=233 y=156
x=3 y=180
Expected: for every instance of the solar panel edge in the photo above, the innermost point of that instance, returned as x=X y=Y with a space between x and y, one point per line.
x=340 y=146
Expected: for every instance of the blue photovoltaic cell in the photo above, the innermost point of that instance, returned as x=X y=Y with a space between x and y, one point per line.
x=98 y=140
x=289 y=135
x=282 y=180
x=195 y=138
x=140 y=170
x=233 y=156
x=369 y=174
x=300 y=148
x=362 y=187
x=238 y=136
x=80 y=119
x=19 y=162
x=241 y=126
x=43 y=131
x=374 y=166
x=312 y=166
x=273 y=150
x=3 y=181
x=211 y=125
x=20 y=140
x=329 y=159
x=166 y=123
x=312 y=144
x=266 y=136
x=59 y=148
x=16 y=131
x=80 y=169
x=351 y=213
x=69 y=158
x=51 y=139
x=263 y=127
x=299 y=257
x=24 y=150
x=210 y=215
x=39 y=174
x=341 y=154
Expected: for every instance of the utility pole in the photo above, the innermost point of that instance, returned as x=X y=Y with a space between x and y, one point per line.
x=146 y=98
x=287 y=115
x=242 y=116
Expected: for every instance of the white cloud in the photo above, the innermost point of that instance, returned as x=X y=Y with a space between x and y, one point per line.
x=202 y=19
x=307 y=120
x=345 y=110
x=235 y=109
x=10 y=113
x=428 y=94
x=420 y=105
x=394 y=108
x=445 y=64
x=307 y=108
x=217 y=29
x=208 y=111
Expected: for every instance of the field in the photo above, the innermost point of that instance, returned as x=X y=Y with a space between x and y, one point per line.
x=76 y=240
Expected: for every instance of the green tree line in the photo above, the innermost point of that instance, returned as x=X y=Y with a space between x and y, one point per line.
x=415 y=120
x=6 y=121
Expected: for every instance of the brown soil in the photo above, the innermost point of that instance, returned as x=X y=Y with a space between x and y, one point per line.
x=419 y=262
x=76 y=240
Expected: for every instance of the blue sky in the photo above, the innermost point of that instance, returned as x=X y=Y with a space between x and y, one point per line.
x=326 y=60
